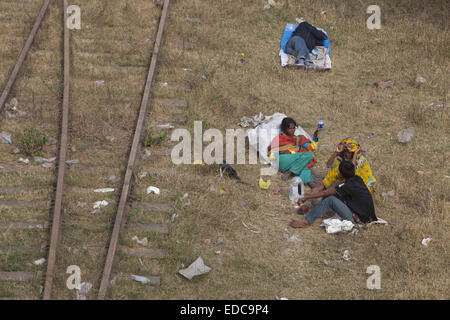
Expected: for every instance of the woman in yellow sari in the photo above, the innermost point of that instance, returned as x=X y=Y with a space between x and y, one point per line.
x=349 y=150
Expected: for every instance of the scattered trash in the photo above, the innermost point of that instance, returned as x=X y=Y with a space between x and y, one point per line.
x=388 y=194
x=143 y=242
x=110 y=138
x=255 y=120
x=251 y=230
x=373 y=101
x=40 y=159
x=81 y=204
x=83 y=291
x=141 y=279
x=165 y=126
x=142 y=175
x=296 y=189
x=217 y=252
x=47 y=165
x=6 y=137
x=384 y=84
x=74 y=161
x=219 y=240
x=174 y=217
x=99 y=204
x=277 y=191
x=40 y=261
x=154 y=190
x=16 y=151
x=354 y=232
x=333 y=225
x=104 y=190
x=195 y=269
x=426 y=241
x=263 y=184
x=204 y=77
x=222 y=190
x=323 y=12
x=346 y=255
x=405 y=135
x=440 y=105
x=112 y=179
x=26 y=161
x=420 y=80
x=164 y=84
x=371 y=135
x=291 y=237
x=11 y=109
x=100 y=82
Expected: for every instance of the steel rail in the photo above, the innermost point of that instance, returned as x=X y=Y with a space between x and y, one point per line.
x=57 y=209
x=121 y=214
x=23 y=54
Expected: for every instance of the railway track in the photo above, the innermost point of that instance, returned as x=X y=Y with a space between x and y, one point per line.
x=97 y=105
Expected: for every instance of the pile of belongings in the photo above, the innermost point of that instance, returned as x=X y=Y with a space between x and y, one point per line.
x=320 y=55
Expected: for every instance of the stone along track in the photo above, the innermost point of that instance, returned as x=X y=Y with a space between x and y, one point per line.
x=30 y=59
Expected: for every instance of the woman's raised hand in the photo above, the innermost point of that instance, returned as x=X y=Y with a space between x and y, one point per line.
x=339 y=148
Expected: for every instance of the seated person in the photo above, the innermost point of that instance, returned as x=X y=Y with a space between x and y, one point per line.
x=348 y=150
x=351 y=200
x=295 y=156
x=303 y=40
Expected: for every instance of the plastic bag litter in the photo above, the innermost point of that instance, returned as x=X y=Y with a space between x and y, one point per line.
x=143 y=242
x=104 y=190
x=335 y=225
x=426 y=241
x=83 y=291
x=154 y=190
x=141 y=279
x=26 y=161
x=405 y=135
x=261 y=137
x=346 y=255
x=40 y=261
x=47 y=165
x=99 y=204
x=6 y=137
x=74 y=161
x=195 y=269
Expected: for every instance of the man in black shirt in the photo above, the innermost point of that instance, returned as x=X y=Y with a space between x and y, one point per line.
x=303 y=40
x=349 y=200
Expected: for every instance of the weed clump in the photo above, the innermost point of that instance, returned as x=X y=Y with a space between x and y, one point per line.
x=32 y=142
x=154 y=140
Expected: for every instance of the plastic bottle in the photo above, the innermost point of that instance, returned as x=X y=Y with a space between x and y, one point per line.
x=321 y=124
x=296 y=189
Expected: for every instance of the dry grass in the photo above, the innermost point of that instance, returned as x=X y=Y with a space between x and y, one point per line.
x=264 y=265
x=261 y=264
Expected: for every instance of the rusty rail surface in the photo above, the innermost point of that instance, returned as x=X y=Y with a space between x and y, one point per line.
x=57 y=209
x=121 y=210
x=23 y=54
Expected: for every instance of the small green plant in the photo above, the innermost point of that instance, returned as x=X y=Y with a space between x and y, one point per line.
x=154 y=140
x=32 y=142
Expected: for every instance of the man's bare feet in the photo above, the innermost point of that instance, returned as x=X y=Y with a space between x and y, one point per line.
x=299 y=223
x=286 y=175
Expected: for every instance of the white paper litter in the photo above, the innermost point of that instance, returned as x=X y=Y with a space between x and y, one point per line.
x=335 y=225
x=6 y=137
x=40 y=261
x=47 y=165
x=26 y=161
x=104 y=190
x=143 y=242
x=140 y=279
x=154 y=190
x=426 y=241
x=195 y=269
x=40 y=159
x=83 y=291
x=74 y=161
x=165 y=126
x=99 y=204
x=346 y=255
x=99 y=82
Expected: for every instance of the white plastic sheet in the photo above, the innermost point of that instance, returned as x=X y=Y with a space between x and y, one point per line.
x=195 y=269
